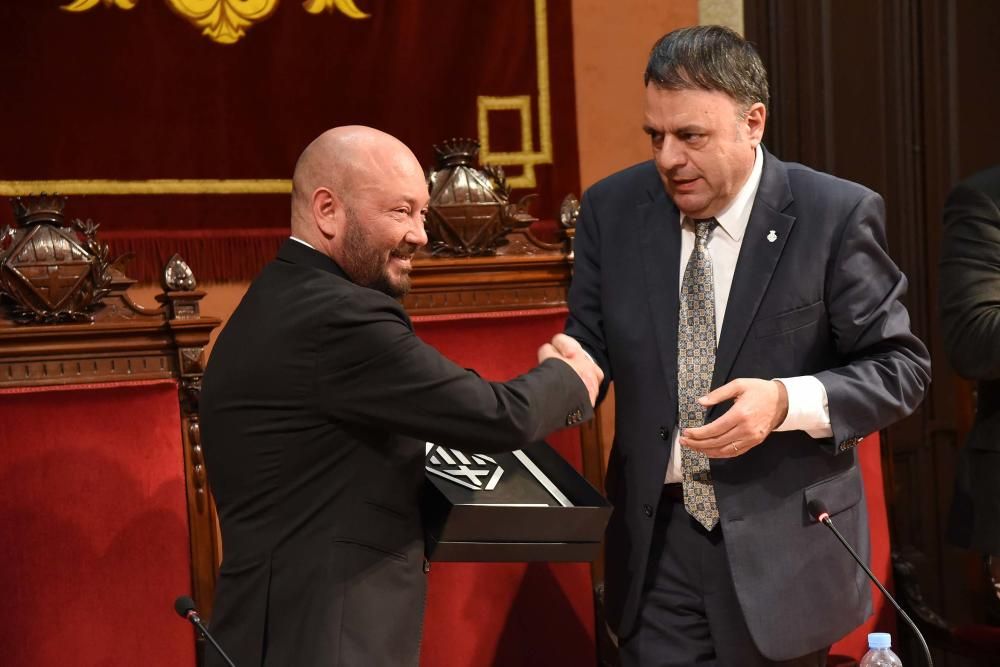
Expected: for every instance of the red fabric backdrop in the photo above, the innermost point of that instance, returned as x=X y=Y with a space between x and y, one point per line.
x=506 y=614
x=95 y=536
x=141 y=94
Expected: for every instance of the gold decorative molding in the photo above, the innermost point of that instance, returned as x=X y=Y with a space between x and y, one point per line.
x=527 y=157
x=161 y=186
x=223 y=21
x=226 y=21
x=346 y=7
x=84 y=5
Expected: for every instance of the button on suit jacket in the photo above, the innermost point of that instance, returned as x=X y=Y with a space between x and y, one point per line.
x=317 y=401
x=814 y=293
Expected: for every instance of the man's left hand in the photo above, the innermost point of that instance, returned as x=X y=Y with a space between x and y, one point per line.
x=759 y=407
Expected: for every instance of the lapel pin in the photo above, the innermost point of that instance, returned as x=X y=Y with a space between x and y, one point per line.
x=772 y=236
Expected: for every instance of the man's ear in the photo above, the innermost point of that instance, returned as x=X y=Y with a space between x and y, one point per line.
x=756 y=117
x=327 y=212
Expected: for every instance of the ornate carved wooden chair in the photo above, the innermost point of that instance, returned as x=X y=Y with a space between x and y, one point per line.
x=104 y=504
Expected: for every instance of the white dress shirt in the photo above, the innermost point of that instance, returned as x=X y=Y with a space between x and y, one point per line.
x=808 y=408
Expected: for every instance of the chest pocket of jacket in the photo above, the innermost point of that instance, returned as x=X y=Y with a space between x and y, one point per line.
x=789 y=344
x=790 y=320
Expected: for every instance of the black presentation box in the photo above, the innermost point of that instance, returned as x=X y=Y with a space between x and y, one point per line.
x=528 y=505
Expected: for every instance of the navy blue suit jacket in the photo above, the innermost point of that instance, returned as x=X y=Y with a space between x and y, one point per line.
x=822 y=298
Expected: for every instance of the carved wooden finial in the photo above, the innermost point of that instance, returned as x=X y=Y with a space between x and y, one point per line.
x=178 y=276
x=569 y=211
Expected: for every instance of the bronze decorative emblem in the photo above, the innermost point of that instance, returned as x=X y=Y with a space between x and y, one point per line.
x=51 y=271
x=470 y=210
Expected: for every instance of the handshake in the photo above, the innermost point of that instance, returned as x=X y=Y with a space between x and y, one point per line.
x=569 y=350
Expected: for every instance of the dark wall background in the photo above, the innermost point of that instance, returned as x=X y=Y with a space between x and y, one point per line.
x=902 y=96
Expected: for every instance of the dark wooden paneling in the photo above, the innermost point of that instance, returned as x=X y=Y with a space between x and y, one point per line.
x=900 y=95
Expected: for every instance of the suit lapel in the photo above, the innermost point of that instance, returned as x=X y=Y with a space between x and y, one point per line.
x=758 y=258
x=660 y=250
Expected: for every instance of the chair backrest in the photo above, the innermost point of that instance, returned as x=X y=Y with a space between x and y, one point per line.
x=105 y=506
x=506 y=614
x=96 y=537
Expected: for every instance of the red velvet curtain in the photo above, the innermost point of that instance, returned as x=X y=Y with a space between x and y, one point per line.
x=124 y=95
x=95 y=533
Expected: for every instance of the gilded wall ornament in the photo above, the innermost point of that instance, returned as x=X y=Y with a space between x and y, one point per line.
x=226 y=21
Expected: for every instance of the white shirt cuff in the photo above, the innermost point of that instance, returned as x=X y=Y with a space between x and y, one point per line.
x=808 y=407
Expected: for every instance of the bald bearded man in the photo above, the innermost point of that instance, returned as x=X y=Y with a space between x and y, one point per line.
x=317 y=401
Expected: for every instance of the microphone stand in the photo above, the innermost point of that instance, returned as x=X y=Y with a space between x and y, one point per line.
x=824 y=518
x=195 y=619
x=184 y=606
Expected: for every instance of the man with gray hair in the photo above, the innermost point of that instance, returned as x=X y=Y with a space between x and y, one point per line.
x=749 y=315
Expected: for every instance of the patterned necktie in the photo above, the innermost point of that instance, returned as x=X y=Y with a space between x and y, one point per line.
x=695 y=364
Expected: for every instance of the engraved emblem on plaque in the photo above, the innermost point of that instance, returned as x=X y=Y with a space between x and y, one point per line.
x=478 y=472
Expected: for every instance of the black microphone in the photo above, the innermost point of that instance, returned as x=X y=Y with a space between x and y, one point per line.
x=817 y=510
x=184 y=606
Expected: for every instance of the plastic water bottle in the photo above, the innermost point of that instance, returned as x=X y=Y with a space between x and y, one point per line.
x=880 y=652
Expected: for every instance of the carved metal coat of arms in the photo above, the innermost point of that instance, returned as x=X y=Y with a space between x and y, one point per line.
x=470 y=210
x=51 y=271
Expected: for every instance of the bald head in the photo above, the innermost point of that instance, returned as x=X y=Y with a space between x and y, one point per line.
x=345 y=160
x=359 y=190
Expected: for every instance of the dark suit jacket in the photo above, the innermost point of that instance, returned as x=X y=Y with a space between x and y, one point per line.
x=970 y=316
x=821 y=299
x=317 y=402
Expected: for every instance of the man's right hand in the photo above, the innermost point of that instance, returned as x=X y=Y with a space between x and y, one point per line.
x=569 y=350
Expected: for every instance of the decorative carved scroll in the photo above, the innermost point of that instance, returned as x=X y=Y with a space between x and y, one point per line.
x=226 y=21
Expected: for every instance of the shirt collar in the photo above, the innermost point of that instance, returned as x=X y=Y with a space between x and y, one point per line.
x=295 y=238
x=734 y=219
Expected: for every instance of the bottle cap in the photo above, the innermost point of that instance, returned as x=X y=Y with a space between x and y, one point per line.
x=879 y=640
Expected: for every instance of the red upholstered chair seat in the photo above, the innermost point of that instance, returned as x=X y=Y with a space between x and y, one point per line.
x=95 y=527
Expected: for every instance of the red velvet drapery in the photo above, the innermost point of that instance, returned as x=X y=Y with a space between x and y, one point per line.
x=138 y=97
